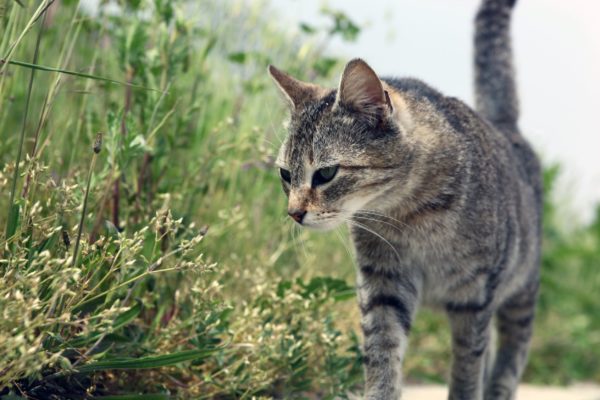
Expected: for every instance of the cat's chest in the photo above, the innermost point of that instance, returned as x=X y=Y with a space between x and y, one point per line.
x=441 y=258
x=427 y=246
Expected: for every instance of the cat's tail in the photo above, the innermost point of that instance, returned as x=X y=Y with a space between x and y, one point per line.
x=495 y=86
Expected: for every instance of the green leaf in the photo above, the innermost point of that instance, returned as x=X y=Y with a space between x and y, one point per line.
x=111 y=229
x=13 y=221
x=323 y=66
x=306 y=28
x=165 y=9
x=74 y=73
x=128 y=315
x=210 y=44
x=342 y=25
x=119 y=322
x=133 y=4
x=139 y=142
x=148 y=362
x=344 y=295
x=238 y=58
x=283 y=287
x=48 y=243
x=333 y=287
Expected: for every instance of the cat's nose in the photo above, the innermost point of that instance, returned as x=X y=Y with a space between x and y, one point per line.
x=297 y=214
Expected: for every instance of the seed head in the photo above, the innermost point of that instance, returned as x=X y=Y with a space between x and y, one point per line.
x=98 y=143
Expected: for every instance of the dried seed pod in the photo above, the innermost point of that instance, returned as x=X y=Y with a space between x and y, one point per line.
x=98 y=143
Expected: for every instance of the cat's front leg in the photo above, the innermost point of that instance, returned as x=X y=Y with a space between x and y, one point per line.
x=471 y=327
x=388 y=300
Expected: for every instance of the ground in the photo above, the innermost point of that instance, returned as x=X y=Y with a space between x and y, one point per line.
x=526 y=392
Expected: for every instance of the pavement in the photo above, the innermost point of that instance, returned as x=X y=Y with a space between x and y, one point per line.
x=525 y=392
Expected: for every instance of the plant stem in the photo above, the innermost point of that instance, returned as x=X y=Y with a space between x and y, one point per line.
x=13 y=189
x=96 y=149
x=40 y=10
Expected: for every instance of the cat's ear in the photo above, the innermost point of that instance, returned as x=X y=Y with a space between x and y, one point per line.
x=361 y=89
x=296 y=92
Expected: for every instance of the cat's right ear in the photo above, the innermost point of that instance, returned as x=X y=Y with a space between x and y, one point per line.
x=362 y=90
x=297 y=93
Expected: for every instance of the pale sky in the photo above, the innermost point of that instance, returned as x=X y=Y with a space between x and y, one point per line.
x=557 y=47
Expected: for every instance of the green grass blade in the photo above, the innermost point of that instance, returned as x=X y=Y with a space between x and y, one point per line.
x=345 y=295
x=12 y=397
x=148 y=362
x=13 y=220
x=75 y=73
x=119 y=322
x=39 y=11
x=48 y=243
x=135 y=397
x=22 y=136
x=128 y=316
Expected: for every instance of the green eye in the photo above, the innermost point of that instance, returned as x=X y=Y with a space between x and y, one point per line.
x=285 y=175
x=324 y=175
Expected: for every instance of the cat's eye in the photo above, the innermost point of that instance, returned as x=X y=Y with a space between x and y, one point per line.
x=285 y=175
x=324 y=175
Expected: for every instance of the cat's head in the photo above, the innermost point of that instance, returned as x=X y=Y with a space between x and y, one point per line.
x=342 y=150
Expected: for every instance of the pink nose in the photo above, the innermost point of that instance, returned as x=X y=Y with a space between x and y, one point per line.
x=297 y=215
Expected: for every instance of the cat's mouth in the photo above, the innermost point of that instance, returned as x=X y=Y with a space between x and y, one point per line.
x=322 y=221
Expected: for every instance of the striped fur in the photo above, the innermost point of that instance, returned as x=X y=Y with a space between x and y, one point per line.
x=443 y=204
x=496 y=91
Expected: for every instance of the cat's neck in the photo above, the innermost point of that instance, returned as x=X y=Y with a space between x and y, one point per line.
x=431 y=186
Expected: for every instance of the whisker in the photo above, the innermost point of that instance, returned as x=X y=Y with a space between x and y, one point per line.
x=274 y=146
x=371 y=214
x=380 y=214
x=377 y=220
x=344 y=243
x=362 y=226
x=301 y=240
x=295 y=239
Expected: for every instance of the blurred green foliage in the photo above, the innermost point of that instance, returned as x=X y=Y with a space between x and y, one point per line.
x=190 y=282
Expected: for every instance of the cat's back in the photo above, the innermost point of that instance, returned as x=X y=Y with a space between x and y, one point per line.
x=457 y=118
x=444 y=115
x=479 y=193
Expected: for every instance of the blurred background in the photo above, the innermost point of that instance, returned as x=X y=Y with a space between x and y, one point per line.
x=144 y=245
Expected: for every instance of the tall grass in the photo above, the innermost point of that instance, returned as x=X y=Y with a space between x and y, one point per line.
x=164 y=264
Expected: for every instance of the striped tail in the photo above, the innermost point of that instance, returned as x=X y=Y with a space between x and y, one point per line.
x=495 y=86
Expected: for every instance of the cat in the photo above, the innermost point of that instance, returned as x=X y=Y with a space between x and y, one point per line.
x=443 y=203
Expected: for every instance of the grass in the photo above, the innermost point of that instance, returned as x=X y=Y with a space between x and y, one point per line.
x=163 y=264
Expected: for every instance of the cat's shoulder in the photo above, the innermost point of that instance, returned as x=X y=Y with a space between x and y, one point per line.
x=415 y=88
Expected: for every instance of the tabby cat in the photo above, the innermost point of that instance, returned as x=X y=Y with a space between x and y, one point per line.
x=443 y=204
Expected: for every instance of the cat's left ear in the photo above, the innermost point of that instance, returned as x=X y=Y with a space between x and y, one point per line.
x=361 y=90
x=296 y=92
